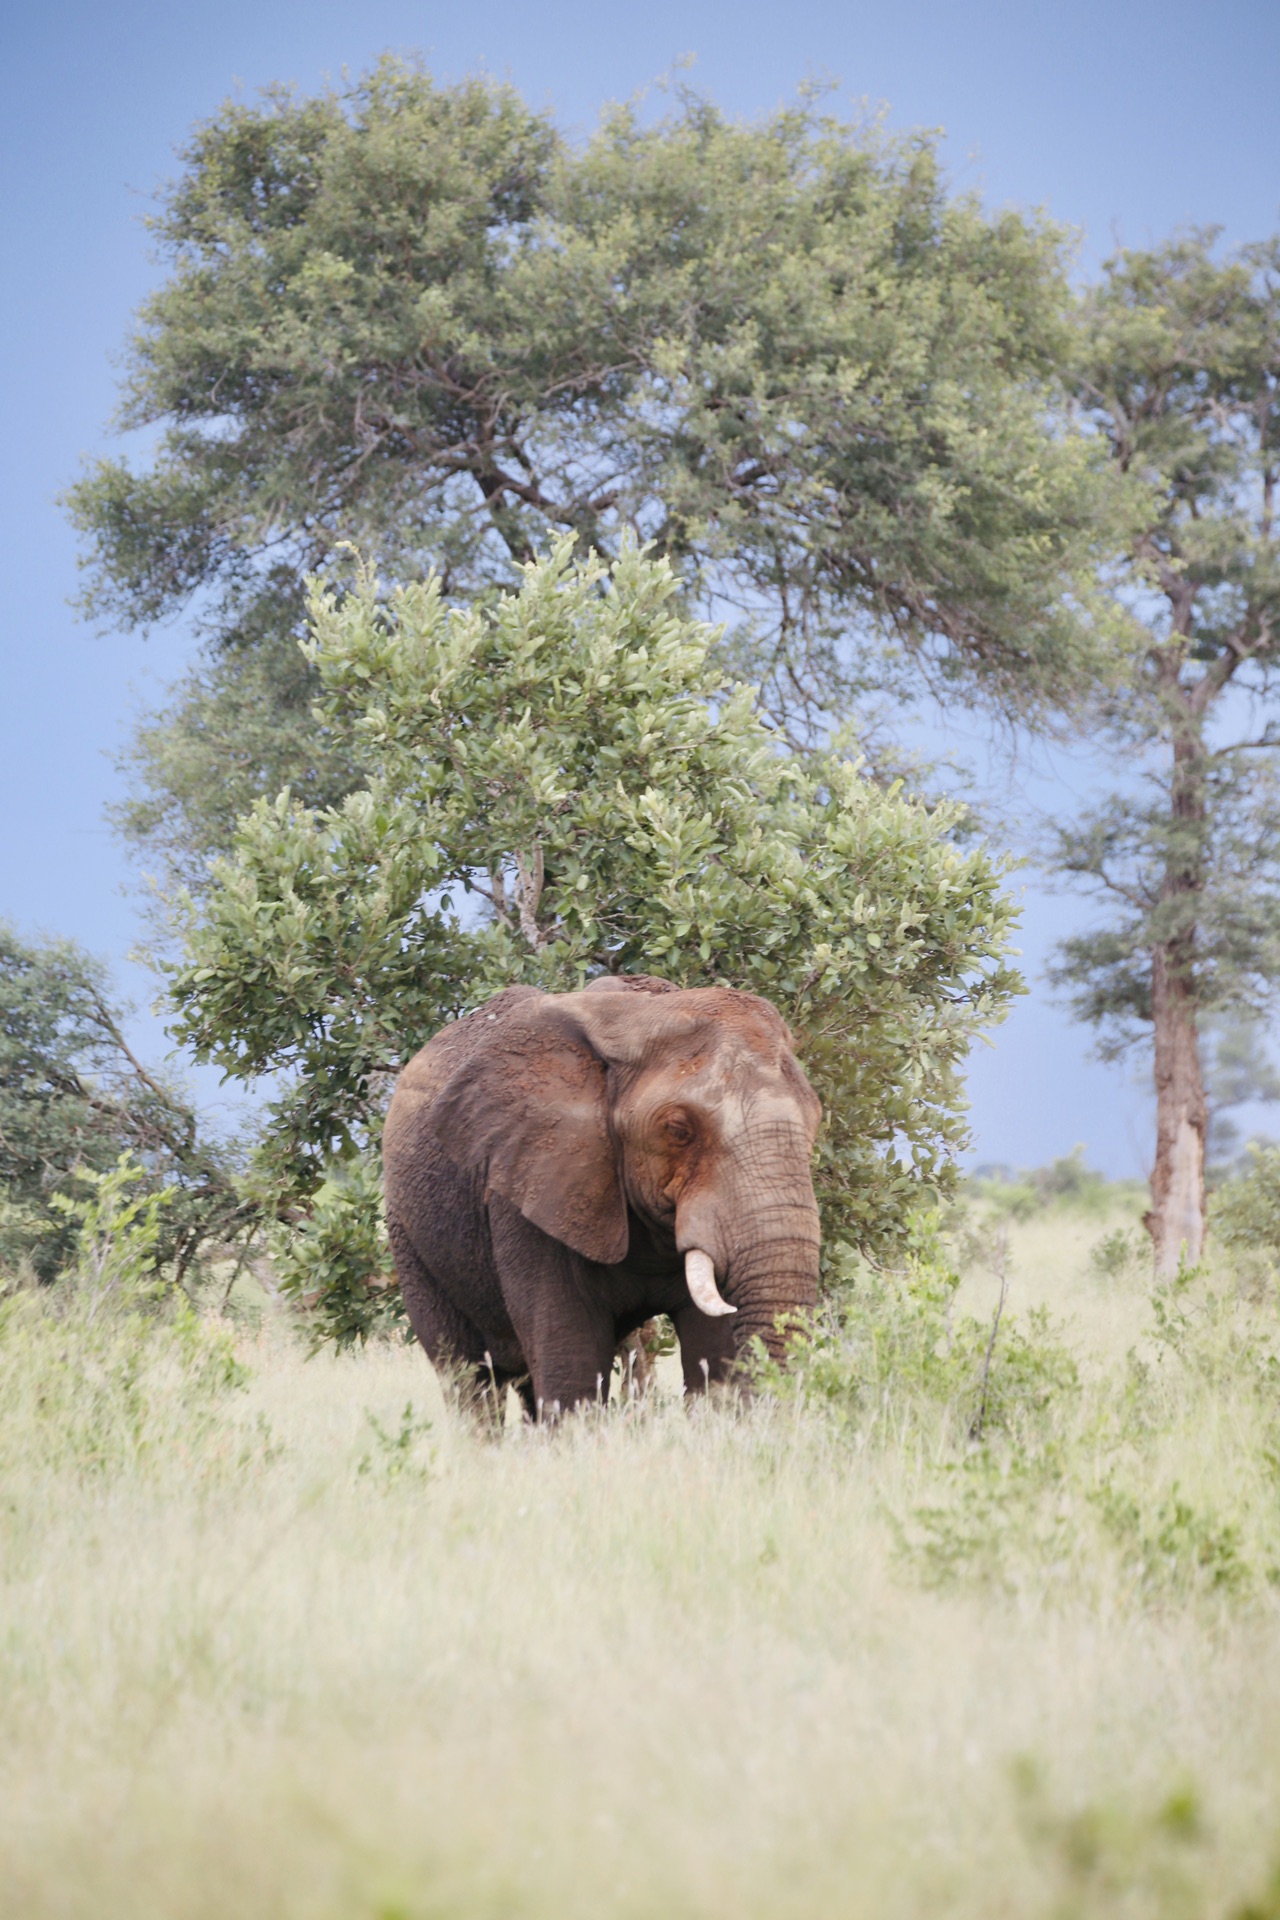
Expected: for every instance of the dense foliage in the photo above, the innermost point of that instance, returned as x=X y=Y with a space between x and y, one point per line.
x=73 y=1098
x=414 y=317
x=562 y=784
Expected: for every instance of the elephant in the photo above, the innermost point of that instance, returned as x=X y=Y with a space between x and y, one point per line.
x=560 y=1167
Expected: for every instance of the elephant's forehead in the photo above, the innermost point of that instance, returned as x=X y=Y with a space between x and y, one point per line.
x=723 y=1073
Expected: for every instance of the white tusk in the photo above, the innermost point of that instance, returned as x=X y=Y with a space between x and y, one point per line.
x=701 y=1276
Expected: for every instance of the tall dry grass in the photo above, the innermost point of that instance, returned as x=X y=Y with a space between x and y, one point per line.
x=304 y=1645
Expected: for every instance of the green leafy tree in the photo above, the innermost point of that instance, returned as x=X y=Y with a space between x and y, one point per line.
x=73 y=1099
x=414 y=317
x=1180 y=379
x=562 y=783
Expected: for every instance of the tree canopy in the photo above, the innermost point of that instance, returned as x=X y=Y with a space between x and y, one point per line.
x=415 y=317
x=561 y=783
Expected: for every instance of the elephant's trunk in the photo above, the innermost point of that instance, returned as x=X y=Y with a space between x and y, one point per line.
x=751 y=1246
x=773 y=1280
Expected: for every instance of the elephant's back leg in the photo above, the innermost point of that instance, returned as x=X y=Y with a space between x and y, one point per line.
x=439 y=1234
x=449 y=1337
x=452 y=1341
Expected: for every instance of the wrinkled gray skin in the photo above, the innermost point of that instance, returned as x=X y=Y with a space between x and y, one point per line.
x=551 y=1158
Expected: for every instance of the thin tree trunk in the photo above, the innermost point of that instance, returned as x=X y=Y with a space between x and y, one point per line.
x=1176 y=1219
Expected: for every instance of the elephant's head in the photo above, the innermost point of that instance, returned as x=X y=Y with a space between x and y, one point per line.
x=685 y=1106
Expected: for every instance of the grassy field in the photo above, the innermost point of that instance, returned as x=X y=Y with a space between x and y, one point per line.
x=285 y=1638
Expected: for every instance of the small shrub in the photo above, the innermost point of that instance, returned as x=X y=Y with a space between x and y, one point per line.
x=113 y=1365
x=399 y=1455
x=1111 y=1855
x=1009 y=1510
x=891 y=1346
x=1120 y=1253
x=1246 y=1211
x=336 y=1262
x=117 y=1235
x=1174 y=1548
x=1216 y=1334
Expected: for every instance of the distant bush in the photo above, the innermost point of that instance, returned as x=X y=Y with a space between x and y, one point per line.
x=1245 y=1212
x=1065 y=1182
x=1122 y=1251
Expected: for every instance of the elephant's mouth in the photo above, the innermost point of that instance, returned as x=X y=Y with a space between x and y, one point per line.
x=700 y=1275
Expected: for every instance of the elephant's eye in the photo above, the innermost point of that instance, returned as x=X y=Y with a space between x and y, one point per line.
x=677 y=1130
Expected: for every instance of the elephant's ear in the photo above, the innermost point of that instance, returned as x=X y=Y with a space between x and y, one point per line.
x=529 y=1108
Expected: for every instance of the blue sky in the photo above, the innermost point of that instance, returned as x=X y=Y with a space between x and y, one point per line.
x=1124 y=120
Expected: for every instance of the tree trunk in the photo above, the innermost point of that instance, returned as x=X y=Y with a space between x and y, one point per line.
x=1176 y=1219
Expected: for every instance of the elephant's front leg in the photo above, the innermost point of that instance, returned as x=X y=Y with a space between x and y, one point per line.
x=566 y=1331
x=708 y=1348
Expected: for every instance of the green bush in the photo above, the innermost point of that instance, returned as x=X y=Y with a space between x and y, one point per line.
x=117 y=1227
x=73 y=1098
x=1245 y=1212
x=1029 y=1471
x=1065 y=1182
x=336 y=1263
x=113 y=1365
x=1172 y=1545
x=1122 y=1251
x=890 y=1351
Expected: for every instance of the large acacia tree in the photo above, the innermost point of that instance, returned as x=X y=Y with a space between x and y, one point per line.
x=1181 y=379
x=415 y=317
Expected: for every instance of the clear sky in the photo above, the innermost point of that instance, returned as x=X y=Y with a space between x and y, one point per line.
x=1124 y=119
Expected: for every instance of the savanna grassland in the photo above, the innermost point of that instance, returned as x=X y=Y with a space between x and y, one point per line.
x=919 y=1631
